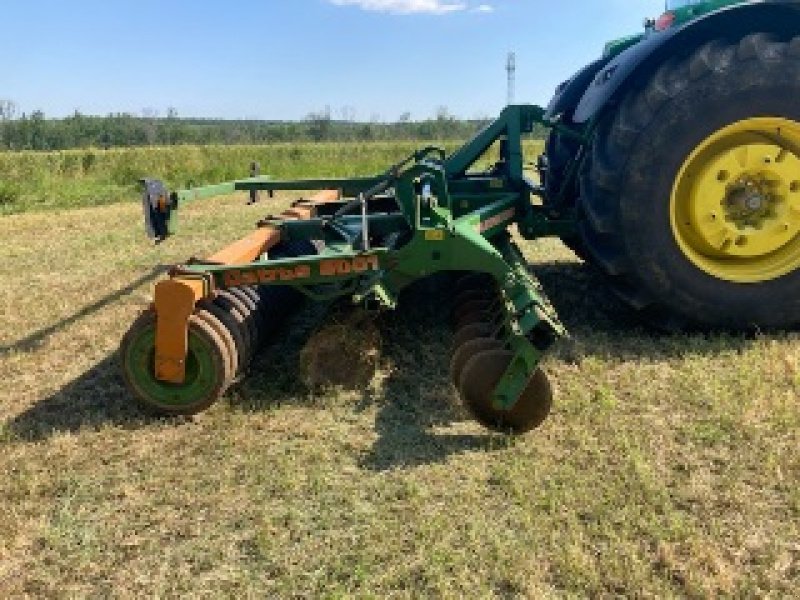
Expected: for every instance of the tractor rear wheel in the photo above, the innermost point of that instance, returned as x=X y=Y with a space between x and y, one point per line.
x=690 y=195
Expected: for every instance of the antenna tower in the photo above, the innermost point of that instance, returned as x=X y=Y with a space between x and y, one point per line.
x=511 y=68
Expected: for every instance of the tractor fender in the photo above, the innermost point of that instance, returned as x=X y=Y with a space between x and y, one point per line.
x=569 y=93
x=781 y=17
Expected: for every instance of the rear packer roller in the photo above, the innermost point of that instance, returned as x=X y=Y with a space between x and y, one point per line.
x=208 y=368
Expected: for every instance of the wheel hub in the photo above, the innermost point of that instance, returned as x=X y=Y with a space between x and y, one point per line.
x=736 y=202
x=748 y=204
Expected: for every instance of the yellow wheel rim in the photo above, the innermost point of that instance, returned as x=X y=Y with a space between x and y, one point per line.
x=735 y=206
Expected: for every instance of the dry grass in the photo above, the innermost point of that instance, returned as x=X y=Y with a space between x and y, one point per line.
x=669 y=468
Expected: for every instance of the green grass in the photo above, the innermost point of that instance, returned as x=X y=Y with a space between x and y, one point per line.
x=75 y=178
x=669 y=467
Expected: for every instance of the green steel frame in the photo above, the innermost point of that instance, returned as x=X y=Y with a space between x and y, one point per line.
x=427 y=214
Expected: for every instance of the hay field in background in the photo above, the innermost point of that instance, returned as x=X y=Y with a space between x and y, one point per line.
x=669 y=467
x=31 y=181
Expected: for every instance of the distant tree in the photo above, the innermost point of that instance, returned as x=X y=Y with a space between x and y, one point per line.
x=367 y=132
x=347 y=114
x=319 y=125
x=443 y=114
x=174 y=131
x=105 y=139
x=8 y=110
x=38 y=139
x=149 y=116
x=35 y=131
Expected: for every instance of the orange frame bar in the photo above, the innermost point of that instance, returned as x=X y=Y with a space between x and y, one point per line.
x=248 y=249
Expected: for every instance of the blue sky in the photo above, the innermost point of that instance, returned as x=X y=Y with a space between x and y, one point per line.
x=281 y=59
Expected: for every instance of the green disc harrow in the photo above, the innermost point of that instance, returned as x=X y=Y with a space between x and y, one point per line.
x=365 y=239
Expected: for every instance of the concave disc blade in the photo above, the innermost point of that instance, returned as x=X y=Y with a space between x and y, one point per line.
x=480 y=377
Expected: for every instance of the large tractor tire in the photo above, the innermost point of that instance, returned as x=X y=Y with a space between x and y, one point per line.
x=691 y=193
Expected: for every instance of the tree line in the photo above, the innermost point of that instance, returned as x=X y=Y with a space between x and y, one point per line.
x=34 y=131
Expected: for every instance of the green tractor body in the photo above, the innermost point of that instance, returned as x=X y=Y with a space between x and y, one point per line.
x=673 y=166
x=679 y=12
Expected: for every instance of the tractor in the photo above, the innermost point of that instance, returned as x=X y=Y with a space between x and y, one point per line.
x=672 y=165
x=685 y=182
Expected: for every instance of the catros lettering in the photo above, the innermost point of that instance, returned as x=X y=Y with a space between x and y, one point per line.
x=334 y=267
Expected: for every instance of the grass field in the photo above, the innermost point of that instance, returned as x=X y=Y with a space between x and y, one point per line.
x=669 y=468
x=92 y=177
x=33 y=181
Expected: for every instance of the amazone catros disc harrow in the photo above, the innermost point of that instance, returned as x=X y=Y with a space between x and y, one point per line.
x=365 y=239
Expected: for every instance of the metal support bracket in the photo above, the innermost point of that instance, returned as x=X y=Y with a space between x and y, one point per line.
x=175 y=300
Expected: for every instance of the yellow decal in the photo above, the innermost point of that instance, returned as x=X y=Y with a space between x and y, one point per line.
x=236 y=278
x=334 y=267
x=327 y=268
x=434 y=235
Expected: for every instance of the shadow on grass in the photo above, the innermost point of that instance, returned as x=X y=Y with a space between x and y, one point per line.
x=100 y=398
x=602 y=325
x=96 y=399
x=416 y=397
x=413 y=400
x=35 y=339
